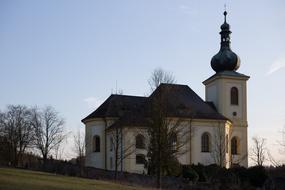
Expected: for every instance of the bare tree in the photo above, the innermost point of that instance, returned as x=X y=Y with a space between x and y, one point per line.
x=168 y=137
x=49 y=130
x=220 y=145
x=159 y=76
x=258 y=151
x=120 y=149
x=282 y=142
x=79 y=149
x=237 y=161
x=16 y=129
x=272 y=160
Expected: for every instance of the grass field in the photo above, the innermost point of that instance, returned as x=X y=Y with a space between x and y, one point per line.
x=16 y=179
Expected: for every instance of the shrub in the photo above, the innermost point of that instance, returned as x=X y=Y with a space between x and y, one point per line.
x=257 y=176
x=173 y=168
x=190 y=174
x=200 y=170
x=241 y=174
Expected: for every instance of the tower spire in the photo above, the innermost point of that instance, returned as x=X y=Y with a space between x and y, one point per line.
x=225 y=59
x=225 y=33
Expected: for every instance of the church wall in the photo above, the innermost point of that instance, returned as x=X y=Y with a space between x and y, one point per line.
x=92 y=128
x=242 y=157
x=129 y=148
x=212 y=93
x=236 y=113
x=110 y=152
x=193 y=154
x=198 y=156
x=219 y=90
x=95 y=159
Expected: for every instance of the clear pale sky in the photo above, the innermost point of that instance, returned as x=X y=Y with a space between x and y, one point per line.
x=69 y=54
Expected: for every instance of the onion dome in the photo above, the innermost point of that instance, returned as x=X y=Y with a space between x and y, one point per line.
x=225 y=59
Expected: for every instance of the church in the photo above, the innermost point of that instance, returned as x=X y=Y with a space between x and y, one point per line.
x=117 y=135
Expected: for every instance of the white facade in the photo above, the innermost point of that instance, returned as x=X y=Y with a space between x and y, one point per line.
x=218 y=91
x=105 y=159
x=222 y=133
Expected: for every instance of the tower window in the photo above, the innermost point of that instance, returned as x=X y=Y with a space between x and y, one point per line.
x=235 y=146
x=140 y=159
x=96 y=143
x=234 y=96
x=205 y=142
x=140 y=141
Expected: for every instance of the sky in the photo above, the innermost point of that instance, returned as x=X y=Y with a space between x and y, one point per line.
x=73 y=54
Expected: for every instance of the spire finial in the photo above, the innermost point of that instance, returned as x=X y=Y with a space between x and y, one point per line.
x=225 y=12
x=225 y=59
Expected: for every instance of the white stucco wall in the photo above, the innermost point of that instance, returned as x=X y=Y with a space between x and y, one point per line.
x=190 y=155
x=129 y=148
x=92 y=128
x=212 y=128
x=222 y=96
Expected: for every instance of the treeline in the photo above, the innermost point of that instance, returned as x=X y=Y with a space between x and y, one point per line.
x=29 y=129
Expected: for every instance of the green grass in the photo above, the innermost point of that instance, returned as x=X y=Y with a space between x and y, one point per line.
x=16 y=179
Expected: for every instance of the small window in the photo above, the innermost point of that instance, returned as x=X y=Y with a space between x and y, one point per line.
x=111 y=144
x=235 y=146
x=205 y=142
x=234 y=96
x=140 y=141
x=96 y=143
x=140 y=159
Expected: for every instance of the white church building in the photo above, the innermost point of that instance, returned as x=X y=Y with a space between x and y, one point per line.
x=224 y=109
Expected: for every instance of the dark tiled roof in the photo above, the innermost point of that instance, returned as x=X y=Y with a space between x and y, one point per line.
x=130 y=120
x=117 y=106
x=179 y=101
x=182 y=101
x=212 y=105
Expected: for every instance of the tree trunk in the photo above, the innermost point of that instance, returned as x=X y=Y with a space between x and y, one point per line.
x=44 y=161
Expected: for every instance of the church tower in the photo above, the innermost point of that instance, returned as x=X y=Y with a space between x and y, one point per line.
x=227 y=90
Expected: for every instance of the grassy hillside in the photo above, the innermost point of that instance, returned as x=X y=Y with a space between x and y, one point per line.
x=16 y=179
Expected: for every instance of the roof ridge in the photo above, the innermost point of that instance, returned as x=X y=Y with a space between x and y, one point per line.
x=173 y=84
x=122 y=95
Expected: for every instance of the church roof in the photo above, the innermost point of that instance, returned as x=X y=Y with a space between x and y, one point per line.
x=116 y=105
x=179 y=101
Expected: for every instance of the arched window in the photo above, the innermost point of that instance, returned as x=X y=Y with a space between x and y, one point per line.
x=140 y=141
x=234 y=96
x=96 y=143
x=235 y=146
x=140 y=159
x=227 y=143
x=205 y=142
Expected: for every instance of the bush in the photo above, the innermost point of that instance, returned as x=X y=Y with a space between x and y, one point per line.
x=200 y=170
x=173 y=168
x=190 y=174
x=257 y=176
